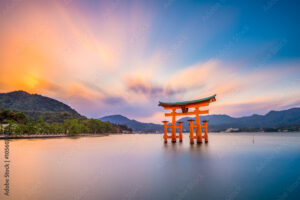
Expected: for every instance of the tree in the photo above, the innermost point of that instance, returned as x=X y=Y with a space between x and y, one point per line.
x=19 y=129
x=72 y=126
x=20 y=117
x=6 y=114
x=10 y=129
x=31 y=128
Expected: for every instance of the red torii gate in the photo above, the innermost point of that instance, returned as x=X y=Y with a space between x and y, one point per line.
x=184 y=106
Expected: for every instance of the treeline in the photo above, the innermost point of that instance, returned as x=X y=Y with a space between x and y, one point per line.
x=51 y=117
x=16 y=123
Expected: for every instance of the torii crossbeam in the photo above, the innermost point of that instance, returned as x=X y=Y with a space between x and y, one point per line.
x=185 y=106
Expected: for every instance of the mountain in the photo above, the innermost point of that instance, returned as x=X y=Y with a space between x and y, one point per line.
x=35 y=106
x=274 y=119
x=136 y=126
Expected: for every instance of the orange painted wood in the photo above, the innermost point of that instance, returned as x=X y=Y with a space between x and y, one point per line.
x=191 y=131
x=187 y=113
x=205 y=131
x=205 y=103
x=192 y=123
x=180 y=131
x=173 y=126
x=165 y=131
x=198 y=128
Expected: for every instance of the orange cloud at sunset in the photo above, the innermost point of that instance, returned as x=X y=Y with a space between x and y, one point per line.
x=115 y=58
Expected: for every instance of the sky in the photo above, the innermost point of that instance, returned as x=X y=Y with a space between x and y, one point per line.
x=122 y=57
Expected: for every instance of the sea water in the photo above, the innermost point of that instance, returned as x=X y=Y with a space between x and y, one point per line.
x=141 y=166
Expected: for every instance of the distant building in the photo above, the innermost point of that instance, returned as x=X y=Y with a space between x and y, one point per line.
x=2 y=127
x=126 y=131
x=230 y=130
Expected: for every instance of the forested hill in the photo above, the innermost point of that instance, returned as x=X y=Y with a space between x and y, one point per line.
x=35 y=106
x=272 y=121
x=20 y=100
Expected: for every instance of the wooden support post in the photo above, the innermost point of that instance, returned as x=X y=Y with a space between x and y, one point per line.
x=165 y=131
x=198 y=127
x=174 y=125
x=191 y=121
x=180 y=131
x=205 y=131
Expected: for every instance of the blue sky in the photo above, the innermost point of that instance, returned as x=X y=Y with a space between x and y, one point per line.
x=122 y=57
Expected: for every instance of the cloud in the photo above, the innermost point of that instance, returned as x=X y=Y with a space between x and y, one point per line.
x=236 y=86
x=260 y=105
x=112 y=58
x=193 y=76
x=114 y=100
x=142 y=87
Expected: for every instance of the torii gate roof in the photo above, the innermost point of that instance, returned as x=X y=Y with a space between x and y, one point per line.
x=184 y=103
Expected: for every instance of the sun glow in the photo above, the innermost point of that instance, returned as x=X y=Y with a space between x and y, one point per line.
x=124 y=58
x=31 y=82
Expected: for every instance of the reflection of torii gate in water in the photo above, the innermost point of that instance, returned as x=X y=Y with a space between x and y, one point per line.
x=184 y=106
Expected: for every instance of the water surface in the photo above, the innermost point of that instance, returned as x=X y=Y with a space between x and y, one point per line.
x=141 y=166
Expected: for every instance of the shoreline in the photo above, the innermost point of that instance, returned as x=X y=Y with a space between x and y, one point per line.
x=5 y=137
x=49 y=136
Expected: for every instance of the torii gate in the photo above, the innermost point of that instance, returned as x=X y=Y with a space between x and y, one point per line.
x=184 y=106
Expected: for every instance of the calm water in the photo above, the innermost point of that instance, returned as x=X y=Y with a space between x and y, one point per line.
x=230 y=166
